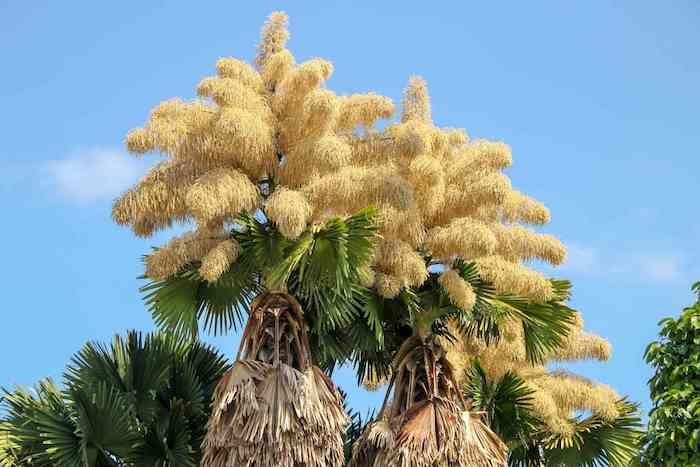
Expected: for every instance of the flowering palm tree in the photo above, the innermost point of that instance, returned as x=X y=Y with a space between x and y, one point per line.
x=341 y=241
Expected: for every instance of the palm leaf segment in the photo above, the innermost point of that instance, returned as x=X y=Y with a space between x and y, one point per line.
x=596 y=442
x=141 y=401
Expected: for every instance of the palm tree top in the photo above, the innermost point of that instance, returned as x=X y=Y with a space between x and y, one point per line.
x=271 y=140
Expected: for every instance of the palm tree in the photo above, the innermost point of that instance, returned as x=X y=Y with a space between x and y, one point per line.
x=507 y=403
x=142 y=401
x=276 y=406
x=426 y=418
x=383 y=337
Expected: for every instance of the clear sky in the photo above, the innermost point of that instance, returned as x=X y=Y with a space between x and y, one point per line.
x=599 y=101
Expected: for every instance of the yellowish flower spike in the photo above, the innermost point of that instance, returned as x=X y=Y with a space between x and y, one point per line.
x=520 y=243
x=276 y=68
x=521 y=208
x=573 y=393
x=387 y=286
x=416 y=101
x=463 y=237
x=311 y=159
x=558 y=395
x=399 y=260
x=176 y=254
x=509 y=277
x=228 y=92
x=581 y=345
x=289 y=210
x=363 y=110
x=222 y=193
x=217 y=261
x=460 y=292
x=273 y=38
x=157 y=200
x=235 y=69
x=298 y=83
x=320 y=111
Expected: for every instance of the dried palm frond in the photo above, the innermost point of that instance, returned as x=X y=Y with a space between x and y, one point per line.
x=274 y=407
x=427 y=423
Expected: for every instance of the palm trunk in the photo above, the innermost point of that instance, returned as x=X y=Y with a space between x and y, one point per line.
x=274 y=407
x=427 y=422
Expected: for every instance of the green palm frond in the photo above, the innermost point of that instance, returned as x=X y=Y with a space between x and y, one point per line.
x=323 y=273
x=372 y=357
x=545 y=325
x=321 y=268
x=137 y=366
x=484 y=319
x=526 y=454
x=84 y=426
x=169 y=443
x=507 y=403
x=208 y=364
x=357 y=425
x=104 y=424
x=327 y=277
x=180 y=302
x=9 y=449
x=507 y=406
x=35 y=419
x=597 y=442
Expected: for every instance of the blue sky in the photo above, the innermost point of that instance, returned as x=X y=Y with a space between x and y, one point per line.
x=599 y=101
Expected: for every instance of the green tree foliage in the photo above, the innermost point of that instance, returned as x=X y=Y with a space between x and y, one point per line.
x=673 y=437
x=141 y=401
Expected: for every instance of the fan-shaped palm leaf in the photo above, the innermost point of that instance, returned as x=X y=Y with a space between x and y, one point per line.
x=36 y=416
x=506 y=404
x=596 y=442
x=320 y=268
x=545 y=325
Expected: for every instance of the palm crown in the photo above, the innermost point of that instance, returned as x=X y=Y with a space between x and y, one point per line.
x=143 y=400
